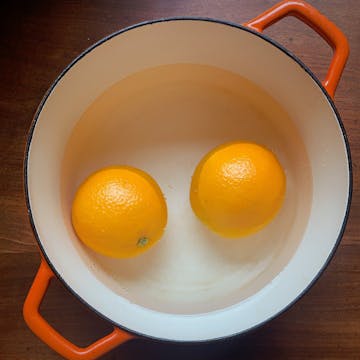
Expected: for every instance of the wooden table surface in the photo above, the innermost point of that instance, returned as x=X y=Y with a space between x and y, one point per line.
x=38 y=39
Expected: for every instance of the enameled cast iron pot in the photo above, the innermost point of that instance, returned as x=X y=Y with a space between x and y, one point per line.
x=192 y=286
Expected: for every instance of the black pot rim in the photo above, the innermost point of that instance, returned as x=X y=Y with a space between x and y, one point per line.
x=206 y=19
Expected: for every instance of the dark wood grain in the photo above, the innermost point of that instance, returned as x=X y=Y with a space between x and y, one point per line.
x=37 y=40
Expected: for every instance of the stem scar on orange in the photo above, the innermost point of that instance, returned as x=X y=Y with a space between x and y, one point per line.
x=119 y=211
x=237 y=188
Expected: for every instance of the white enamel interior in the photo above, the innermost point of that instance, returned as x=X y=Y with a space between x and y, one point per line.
x=192 y=285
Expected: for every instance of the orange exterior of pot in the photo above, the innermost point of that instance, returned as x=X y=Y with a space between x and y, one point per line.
x=321 y=24
x=50 y=336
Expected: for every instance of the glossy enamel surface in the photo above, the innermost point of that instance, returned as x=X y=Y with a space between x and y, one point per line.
x=305 y=112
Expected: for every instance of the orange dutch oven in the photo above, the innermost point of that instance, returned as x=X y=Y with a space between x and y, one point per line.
x=158 y=96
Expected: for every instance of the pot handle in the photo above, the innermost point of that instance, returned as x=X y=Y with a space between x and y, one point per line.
x=50 y=336
x=318 y=22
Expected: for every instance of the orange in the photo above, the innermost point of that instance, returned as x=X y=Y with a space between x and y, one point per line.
x=237 y=188
x=119 y=212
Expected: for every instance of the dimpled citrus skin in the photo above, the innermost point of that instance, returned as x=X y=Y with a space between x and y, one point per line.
x=119 y=211
x=237 y=188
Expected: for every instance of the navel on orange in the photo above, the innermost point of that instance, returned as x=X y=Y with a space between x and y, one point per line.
x=237 y=188
x=119 y=212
